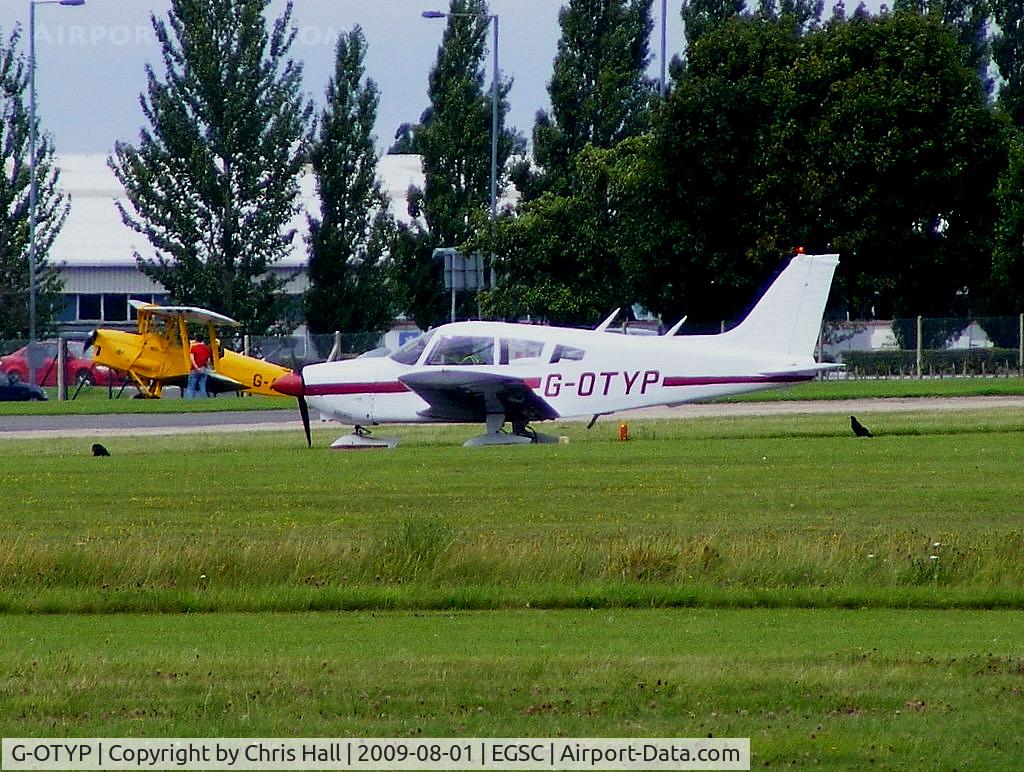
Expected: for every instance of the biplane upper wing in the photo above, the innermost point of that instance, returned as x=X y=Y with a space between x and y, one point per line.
x=192 y=314
x=457 y=395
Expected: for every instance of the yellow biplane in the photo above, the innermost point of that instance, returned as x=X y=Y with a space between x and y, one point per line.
x=157 y=353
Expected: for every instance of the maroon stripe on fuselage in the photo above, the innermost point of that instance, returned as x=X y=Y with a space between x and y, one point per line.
x=375 y=387
x=720 y=380
x=397 y=387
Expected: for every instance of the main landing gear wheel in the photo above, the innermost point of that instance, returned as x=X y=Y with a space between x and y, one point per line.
x=521 y=434
x=362 y=439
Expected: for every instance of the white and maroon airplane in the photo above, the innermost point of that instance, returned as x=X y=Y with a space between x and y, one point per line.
x=497 y=373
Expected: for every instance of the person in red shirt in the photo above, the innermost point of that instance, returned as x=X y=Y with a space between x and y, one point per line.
x=199 y=366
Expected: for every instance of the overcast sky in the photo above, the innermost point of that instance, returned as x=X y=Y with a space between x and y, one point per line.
x=90 y=59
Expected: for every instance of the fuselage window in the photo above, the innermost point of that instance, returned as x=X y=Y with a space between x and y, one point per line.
x=519 y=351
x=567 y=352
x=462 y=350
x=409 y=354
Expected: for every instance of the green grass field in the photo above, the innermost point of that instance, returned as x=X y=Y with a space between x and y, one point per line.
x=781 y=511
x=842 y=602
x=836 y=689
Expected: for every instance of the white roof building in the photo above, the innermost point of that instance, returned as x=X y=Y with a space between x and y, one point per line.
x=95 y=251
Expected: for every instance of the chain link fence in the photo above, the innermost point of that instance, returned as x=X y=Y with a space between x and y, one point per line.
x=66 y=364
x=294 y=351
x=926 y=347
x=901 y=348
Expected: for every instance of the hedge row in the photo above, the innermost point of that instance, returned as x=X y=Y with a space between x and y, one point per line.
x=970 y=361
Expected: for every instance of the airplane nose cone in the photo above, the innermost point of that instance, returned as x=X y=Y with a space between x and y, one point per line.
x=290 y=385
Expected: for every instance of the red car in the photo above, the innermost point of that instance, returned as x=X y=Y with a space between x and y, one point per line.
x=80 y=369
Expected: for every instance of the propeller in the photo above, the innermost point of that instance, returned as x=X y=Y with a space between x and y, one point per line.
x=304 y=413
x=293 y=385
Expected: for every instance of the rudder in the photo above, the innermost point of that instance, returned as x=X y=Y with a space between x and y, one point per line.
x=787 y=318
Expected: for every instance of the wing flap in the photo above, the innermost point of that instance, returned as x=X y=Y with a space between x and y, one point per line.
x=457 y=395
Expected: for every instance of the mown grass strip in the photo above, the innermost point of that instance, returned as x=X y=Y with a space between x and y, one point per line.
x=611 y=595
x=839 y=689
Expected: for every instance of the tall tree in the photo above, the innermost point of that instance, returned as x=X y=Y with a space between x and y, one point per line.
x=1008 y=256
x=570 y=258
x=404 y=143
x=454 y=140
x=702 y=16
x=969 y=20
x=910 y=165
x=52 y=205
x=214 y=181
x=871 y=136
x=1008 y=53
x=416 y=277
x=711 y=139
x=348 y=290
x=455 y=137
x=806 y=14
x=600 y=93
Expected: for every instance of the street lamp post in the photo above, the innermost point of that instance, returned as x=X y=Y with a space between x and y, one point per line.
x=493 y=17
x=33 y=193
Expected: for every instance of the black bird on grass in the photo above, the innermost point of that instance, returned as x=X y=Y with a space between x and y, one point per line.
x=99 y=450
x=858 y=428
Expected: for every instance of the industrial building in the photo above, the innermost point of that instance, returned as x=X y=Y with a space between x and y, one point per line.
x=95 y=251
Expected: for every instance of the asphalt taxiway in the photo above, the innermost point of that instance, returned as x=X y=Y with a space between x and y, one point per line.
x=57 y=426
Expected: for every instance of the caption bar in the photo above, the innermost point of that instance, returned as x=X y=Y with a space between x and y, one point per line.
x=393 y=753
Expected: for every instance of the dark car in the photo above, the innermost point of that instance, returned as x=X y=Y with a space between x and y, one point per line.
x=80 y=369
x=17 y=391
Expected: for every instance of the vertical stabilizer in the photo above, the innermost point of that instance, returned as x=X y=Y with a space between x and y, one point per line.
x=787 y=318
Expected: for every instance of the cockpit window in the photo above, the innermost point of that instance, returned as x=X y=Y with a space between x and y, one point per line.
x=567 y=352
x=409 y=354
x=518 y=351
x=462 y=350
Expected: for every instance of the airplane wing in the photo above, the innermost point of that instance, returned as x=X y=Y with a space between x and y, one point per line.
x=192 y=314
x=456 y=395
x=215 y=383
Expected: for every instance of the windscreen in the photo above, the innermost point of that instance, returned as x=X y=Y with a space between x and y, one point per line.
x=410 y=353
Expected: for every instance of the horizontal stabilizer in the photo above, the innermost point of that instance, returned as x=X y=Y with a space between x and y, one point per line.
x=808 y=371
